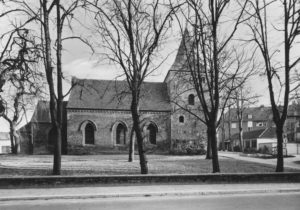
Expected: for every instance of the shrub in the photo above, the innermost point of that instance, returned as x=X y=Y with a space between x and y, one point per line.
x=264 y=150
x=236 y=148
x=250 y=150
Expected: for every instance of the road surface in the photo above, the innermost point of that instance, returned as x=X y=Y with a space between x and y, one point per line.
x=268 y=201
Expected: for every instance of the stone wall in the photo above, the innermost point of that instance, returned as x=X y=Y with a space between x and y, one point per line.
x=191 y=129
x=105 y=123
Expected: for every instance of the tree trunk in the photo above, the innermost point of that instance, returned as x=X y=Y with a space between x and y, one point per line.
x=241 y=135
x=14 y=139
x=138 y=132
x=208 y=149
x=49 y=76
x=280 y=164
x=215 y=159
x=131 y=146
x=57 y=148
x=57 y=153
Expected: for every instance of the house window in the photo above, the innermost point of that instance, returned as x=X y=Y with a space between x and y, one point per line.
x=250 y=124
x=203 y=79
x=89 y=134
x=249 y=116
x=233 y=125
x=254 y=144
x=191 y=99
x=247 y=144
x=181 y=119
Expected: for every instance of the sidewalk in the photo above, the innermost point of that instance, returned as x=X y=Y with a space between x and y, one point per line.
x=115 y=191
x=288 y=162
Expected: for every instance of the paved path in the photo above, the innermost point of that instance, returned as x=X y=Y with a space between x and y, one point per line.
x=269 y=201
x=114 y=191
x=288 y=162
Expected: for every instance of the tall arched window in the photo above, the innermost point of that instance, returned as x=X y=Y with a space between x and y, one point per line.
x=89 y=134
x=191 y=99
x=152 y=133
x=121 y=134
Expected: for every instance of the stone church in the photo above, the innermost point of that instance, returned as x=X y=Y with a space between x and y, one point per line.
x=97 y=116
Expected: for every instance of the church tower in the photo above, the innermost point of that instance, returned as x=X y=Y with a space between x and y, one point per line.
x=187 y=131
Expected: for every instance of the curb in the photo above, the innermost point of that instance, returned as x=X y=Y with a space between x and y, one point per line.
x=56 y=181
x=150 y=194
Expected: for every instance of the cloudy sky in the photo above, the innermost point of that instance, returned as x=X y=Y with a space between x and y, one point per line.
x=80 y=62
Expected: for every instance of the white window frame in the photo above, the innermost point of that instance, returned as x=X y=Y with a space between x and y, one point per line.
x=250 y=124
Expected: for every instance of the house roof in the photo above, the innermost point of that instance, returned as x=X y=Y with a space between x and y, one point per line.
x=294 y=110
x=258 y=114
x=115 y=95
x=266 y=133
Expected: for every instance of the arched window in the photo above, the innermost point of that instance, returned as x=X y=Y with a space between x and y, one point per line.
x=89 y=134
x=152 y=133
x=121 y=134
x=191 y=99
x=181 y=119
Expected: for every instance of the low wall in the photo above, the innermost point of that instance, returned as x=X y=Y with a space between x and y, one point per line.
x=58 y=181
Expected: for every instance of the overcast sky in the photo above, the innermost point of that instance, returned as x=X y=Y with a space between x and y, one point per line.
x=78 y=61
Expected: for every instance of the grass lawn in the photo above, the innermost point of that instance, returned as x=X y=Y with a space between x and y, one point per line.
x=11 y=165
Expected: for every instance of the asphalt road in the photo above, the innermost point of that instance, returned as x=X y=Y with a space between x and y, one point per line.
x=269 y=201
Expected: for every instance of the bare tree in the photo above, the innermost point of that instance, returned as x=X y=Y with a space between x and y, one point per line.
x=131 y=31
x=23 y=80
x=277 y=75
x=212 y=62
x=243 y=99
x=40 y=16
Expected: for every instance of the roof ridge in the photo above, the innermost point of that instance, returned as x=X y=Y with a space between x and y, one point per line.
x=115 y=80
x=263 y=132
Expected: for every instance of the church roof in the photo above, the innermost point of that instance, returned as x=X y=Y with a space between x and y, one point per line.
x=41 y=112
x=180 y=62
x=115 y=95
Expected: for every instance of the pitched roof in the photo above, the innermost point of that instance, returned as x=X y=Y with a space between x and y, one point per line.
x=115 y=95
x=294 y=110
x=267 y=133
x=42 y=112
x=258 y=114
x=180 y=62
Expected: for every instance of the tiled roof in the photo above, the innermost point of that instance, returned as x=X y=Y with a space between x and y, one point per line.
x=42 y=112
x=269 y=133
x=255 y=134
x=115 y=95
x=294 y=110
x=258 y=114
x=180 y=62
